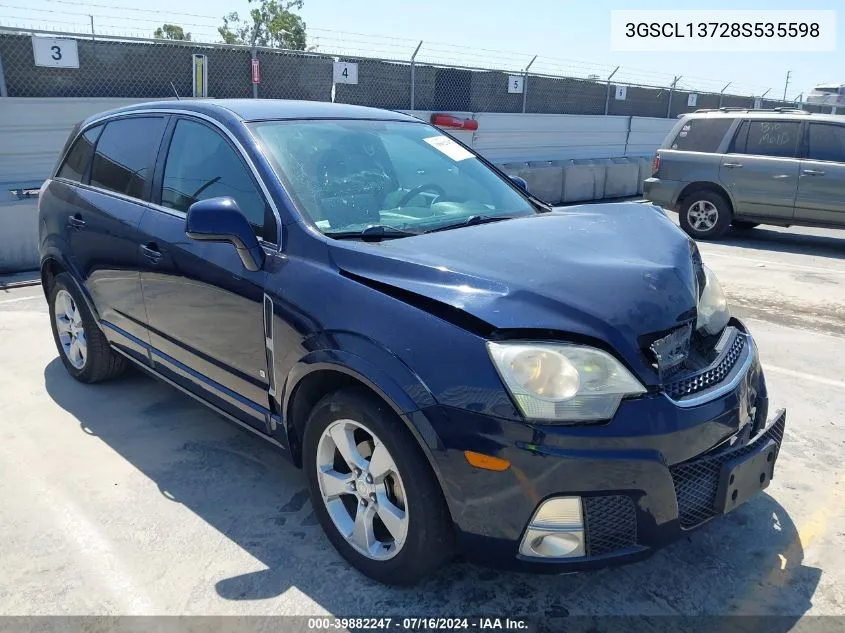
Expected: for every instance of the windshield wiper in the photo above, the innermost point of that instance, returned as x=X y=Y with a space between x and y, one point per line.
x=372 y=233
x=471 y=221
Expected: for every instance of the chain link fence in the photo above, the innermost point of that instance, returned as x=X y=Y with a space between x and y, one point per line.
x=149 y=69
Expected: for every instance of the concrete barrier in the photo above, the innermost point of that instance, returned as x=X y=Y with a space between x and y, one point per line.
x=545 y=180
x=18 y=236
x=645 y=171
x=581 y=180
x=512 y=169
x=620 y=178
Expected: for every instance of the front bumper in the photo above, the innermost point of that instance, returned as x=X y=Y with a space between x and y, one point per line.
x=645 y=479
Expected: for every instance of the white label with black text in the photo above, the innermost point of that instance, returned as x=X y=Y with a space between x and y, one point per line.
x=345 y=73
x=449 y=147
x=55 y=53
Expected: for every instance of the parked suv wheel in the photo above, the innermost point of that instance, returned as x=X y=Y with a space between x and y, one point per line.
x=705 y=215
x=84 y=350
x=373 y=490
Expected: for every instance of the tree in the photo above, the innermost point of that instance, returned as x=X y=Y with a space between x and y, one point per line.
x=171 y=32
x=270 y=23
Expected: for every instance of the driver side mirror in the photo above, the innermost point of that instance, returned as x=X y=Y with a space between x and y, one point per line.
x=221 y=220
x=519 y=182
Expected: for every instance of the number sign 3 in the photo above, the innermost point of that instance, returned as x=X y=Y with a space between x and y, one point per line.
x=55 y=53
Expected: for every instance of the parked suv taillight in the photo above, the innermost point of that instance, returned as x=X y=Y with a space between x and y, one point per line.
x=655 y=164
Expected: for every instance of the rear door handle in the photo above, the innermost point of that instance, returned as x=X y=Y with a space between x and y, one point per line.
x=732 y=165
x=780 y=177
x=813 y=172
x=76 y=222
x=151 y=252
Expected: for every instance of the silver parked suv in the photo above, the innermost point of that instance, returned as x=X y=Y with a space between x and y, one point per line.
x=741 y=168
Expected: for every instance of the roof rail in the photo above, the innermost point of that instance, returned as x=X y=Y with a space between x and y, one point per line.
x=732 y=109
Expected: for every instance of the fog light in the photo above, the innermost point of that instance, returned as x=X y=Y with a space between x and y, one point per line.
x=556 y=530
x=552 y=544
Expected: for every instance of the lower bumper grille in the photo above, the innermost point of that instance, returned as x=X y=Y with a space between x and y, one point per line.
x=697 y=481
x=611 y=524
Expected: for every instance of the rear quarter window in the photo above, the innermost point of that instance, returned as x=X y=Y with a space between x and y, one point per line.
x=701 y=135
x=75 y=167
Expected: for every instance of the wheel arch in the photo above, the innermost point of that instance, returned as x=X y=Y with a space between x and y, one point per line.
x=316 y=376
x=53 y=265
x=704 y=185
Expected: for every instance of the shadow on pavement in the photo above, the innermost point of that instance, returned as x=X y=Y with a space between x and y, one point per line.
x=831 y=245
x=749 y=562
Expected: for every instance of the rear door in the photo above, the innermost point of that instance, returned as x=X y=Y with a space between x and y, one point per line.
x=821 y=183
x=103 y=216
x=205 y=309
x=760 y=169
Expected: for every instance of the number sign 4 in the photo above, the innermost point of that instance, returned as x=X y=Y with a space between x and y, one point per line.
x=345 y=73
x=55 y=53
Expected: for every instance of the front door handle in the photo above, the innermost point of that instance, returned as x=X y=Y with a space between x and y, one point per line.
x=732 y=165
x=76 y=222
x=780 y=177
x=813 y=172
x=151 y=252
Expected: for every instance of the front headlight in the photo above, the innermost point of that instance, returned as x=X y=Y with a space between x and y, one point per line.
x=559 y=381
x=713 y=312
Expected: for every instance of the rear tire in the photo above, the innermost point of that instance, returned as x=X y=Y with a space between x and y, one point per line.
x=409 y=497
x=744 y=226
x=705 y=215
x=84 y=350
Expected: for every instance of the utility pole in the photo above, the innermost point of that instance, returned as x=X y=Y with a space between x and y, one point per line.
x=786 y=85
x=92 y=26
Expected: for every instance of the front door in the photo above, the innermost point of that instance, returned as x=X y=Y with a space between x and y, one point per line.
x=821 y=184
x=205 y=310
x=761 y=167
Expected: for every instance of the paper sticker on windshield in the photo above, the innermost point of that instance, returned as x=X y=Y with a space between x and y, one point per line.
x=449 y=147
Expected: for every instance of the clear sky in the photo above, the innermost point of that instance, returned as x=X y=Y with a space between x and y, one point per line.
x=567 y=35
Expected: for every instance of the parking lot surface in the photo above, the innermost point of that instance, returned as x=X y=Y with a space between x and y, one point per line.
x=130 y=498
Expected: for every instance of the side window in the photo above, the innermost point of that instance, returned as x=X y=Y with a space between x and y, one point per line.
x=124 y=153
x=201 y=164
x=772 y=138
x=826 y=142
x=702 y=135
x=76 y=163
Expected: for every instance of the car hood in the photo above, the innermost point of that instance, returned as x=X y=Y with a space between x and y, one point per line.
x=612 y=272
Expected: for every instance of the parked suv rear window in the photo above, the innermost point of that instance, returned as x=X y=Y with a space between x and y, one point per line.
x=826 y=142
x=701 y=135
x=76 y=164
x=124 y=154
x=767 y=138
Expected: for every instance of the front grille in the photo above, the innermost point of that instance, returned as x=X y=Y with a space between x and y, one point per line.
x=711 y=377
x=610 y=523
x=697 y=481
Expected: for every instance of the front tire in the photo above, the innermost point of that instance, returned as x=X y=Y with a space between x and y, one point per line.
x=373 y=490
x=84 y=350
x=705 y=215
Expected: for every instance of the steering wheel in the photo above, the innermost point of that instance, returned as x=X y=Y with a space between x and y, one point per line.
x=413 y=193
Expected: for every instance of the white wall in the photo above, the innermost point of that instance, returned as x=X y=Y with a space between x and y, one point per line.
x=511 y=138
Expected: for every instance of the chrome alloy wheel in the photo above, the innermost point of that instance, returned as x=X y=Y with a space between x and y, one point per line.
x=703 y=215
x=70 y=329
x=362 y=489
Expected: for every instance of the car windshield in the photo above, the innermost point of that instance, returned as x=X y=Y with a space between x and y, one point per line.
x=347 y=175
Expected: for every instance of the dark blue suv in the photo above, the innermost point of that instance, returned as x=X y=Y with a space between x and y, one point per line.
x=457 y=367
